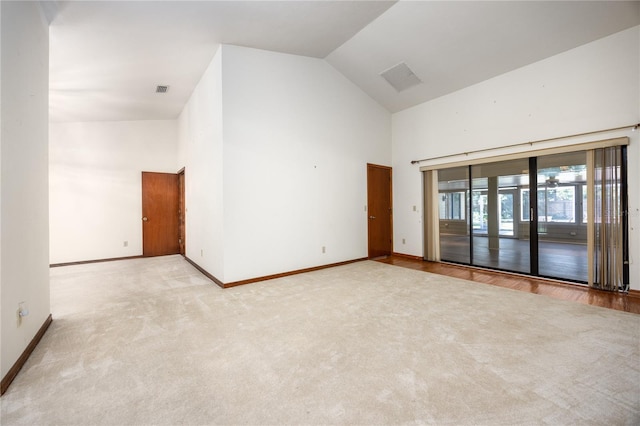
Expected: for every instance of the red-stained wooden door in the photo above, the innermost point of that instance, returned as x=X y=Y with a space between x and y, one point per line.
x=160 y=214
x=379 y=210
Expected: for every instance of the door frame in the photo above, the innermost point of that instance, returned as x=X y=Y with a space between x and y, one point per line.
x=182 y=224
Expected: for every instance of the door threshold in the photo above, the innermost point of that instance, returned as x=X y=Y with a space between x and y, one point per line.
x=386 y=256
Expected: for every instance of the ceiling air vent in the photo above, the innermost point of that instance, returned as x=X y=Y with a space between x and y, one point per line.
x=401 y=77
x=162 y=89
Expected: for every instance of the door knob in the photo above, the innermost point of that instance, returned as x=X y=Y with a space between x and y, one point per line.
x=145 y=219
x=372 y=217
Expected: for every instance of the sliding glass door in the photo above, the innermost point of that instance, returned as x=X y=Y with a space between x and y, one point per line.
x=526 y=215
x=453 y=208
x=562 y=220
x=499 y=240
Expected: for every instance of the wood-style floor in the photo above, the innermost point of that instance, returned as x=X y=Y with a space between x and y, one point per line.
x=556 y=289
x=555 y=259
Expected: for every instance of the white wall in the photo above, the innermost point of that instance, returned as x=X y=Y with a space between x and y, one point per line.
x=95 y=185
x=297 y=138
x=284 y=141
x=24 y=247
x=200 y=151
x=589 y=88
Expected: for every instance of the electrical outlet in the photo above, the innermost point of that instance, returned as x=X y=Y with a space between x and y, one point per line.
x=22 y=312
x=125 y=244
x=324 y=249
x=404 y=241
x=201 y=252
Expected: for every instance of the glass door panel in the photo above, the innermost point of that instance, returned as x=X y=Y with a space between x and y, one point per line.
x=453 y=195
x=562 y=222
x=500 y=229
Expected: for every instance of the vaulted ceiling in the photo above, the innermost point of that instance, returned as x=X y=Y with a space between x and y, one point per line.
x=107 y=57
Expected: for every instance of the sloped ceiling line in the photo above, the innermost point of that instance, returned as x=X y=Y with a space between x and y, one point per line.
x=106 y=58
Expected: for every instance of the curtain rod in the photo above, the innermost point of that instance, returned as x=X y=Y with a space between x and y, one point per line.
x=633 y=127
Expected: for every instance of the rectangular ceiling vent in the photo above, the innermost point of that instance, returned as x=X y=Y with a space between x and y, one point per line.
x=162 y=89
x=401 y=77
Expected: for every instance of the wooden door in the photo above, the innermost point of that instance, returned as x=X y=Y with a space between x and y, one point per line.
x=379 y=210
x=160 y=233
x=181 y=213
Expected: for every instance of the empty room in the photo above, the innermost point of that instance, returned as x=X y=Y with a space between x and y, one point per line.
x=319 y=212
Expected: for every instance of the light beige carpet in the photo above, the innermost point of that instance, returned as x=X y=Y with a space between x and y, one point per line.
x=150 y=341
